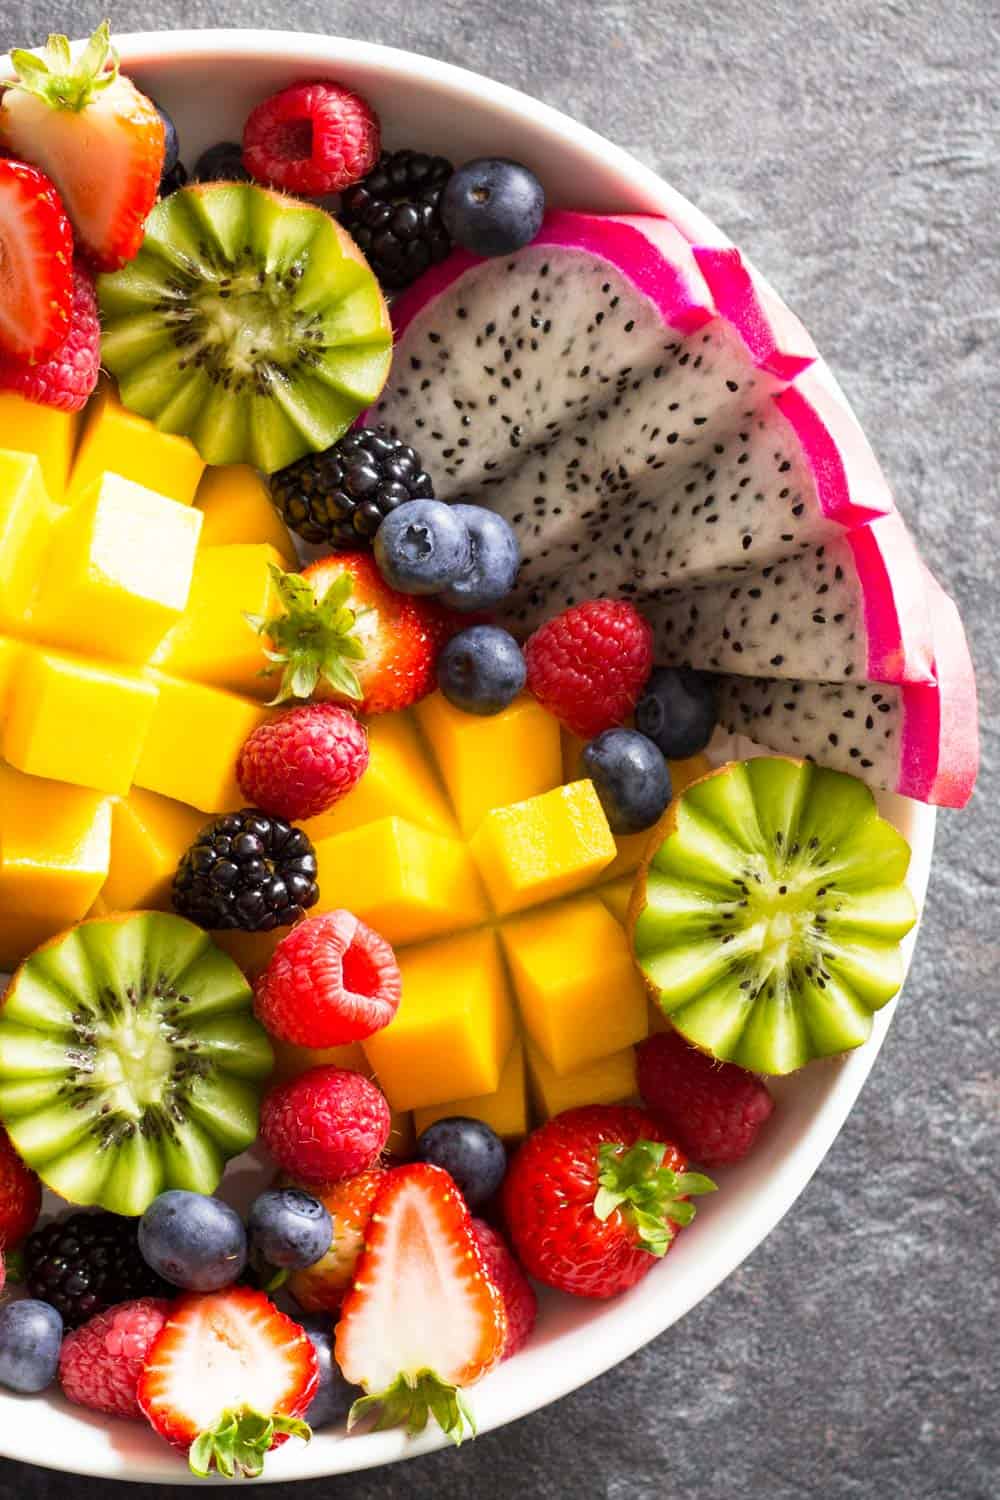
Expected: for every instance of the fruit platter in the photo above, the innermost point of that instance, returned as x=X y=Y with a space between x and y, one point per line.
x=472 y=716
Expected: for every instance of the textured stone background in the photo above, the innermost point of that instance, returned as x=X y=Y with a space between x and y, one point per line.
x=851 y=146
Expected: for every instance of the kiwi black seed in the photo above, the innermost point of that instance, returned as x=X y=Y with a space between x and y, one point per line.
x=130 y=1061
x=768 y=921
x=249 y=322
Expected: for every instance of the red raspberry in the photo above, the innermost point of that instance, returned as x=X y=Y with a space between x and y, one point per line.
x=20 y=1196
x=326 y=1124
x=331 y=980
x=519 y=1300
x=300 y=764
x=66 y=378
x=713 y=1110
x=589 y=665
x=101 y=1362
x=313 y=138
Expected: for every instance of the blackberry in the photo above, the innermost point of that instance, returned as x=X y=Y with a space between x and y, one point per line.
x=342 y=496
x=394 y=214
x=247 y=870
x=87 y=1263
x=221 y=163
x=172 y=180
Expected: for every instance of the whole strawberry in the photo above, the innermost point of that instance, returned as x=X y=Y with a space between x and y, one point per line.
x=101 y=1363
x=331 y=980
x=323 y=1287
x=312 y=138
x=20 y=1196
x=589 y=665
x=326 y=1124
x=516 y=1292
x=714 y=1110
x=65 y=379
x=593 y=1198
x=298 y=765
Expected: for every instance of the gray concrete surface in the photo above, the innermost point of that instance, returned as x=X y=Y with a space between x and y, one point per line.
x=851 y=146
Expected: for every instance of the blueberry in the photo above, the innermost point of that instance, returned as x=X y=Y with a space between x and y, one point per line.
x=30 y=1340
x=678 y=710
x=192 y=1241
x=171 y=145
x=494 y=558
x=221 y=163
x=481 y=670
x=630 y=777
x=470 y=1151
x=289 y=1228
x=334 y=1396
x=492 y=206
x=422 y=546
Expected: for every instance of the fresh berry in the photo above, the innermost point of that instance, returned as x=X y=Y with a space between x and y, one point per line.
x=298 y=765
x=20 y=1196
x=246 y=870
x=36 y=254
x=323 y=1287
x=222 y=162
x=331 y=980
x=630 y=778
x=588 y=666
x=173 y=174
x=519 y=1300
x=492 y=206
x=86 y=1263
x=494 y=558
x=713 y=1110
x=469 y=1151
x=334 y=1397
x=65 y=379
x=678 y=710
x=228 y=1378
x=312 y=138
x=326 y=1124
x=30 y=1340
x=394 y=215
x=192 y=1241
x=289 y=1228
x=341 y=497
x=595 y=1196
x=173 y=180
x=423 y=1319
x=100 y=1363
x=98 y=138
x=422 y=547
x=481 y=670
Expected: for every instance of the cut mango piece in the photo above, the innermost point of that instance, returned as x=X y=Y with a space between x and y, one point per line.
x=454 y=1027
x=505 y=1111
x=405 y=882
x=578 y=990
x=616 y=896
x=399 y=783
x=251 y=951
x=118 y=441
x=10 y=652
x=28 y=427
x=236 y=505
x=26 y=516
x=490 y=762
x=148 y=836
x=193 y=741
x=609 y=1080
x=290 y=1061
x=214 y=642
x=546 y=847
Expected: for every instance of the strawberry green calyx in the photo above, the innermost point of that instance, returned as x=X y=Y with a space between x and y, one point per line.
x=312 y=640
x=52 y=74
x=650 y=1196
x=411 y=1400
x=239 y=1442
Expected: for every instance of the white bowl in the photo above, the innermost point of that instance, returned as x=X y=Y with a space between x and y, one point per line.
x=209 y=80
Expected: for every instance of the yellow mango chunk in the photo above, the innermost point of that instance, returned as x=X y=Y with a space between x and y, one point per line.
x=609 y=1080
x=149 y=834
x=26 y=515
x=578 y=991
x=251 y=951
x=405 y=882
x=117 y=572
x=534 y=851
x=505 y=1111
x=400 y=782
x=77 y=721
x=290 y=1061
x=490 y=762
x=454 y=1028
x=118 y=441
x=616 y=896
x=28 y=427
x=236 y=506
x=193 y=741
x=10 y=652
x=214 y=642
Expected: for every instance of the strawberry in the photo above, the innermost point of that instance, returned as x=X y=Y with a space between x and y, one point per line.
x=519 y=1300
x=66 y=378
x=36 y=262
x=100 y=140
x=594 y=1197
x=20 y=1196
x=423 y=1320
x=227 y=1379
x=323 y=1287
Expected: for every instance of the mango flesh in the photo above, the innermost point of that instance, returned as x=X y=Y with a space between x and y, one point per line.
x=235 y=505
x=42 y=431
x=193 y=741
x=149 y=834
x=608 y=1080
x=26 y=516
x=400 y=782
x=505 y=1111
x=117 y=441
x=214 y=641
x=548 y=846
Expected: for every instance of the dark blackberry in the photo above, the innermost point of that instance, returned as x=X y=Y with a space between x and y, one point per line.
x=394 y=214
x=221 y=163
x=342 y=496
x=86 y=1263
x=247 y=870
x=172 y=180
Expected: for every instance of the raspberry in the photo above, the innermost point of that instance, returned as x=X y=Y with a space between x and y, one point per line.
x=326 y=1124
x=66 y=378
x=100 y=1363
x=20 y=1196
x=331 y=980
x=589 y=665
x=313 y=138
x=714 y=1110
x=519 y=1300
x=297 y=766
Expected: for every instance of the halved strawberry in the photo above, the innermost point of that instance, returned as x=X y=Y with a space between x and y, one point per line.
x=228 y=1379
x=36 y=263
x=423 y=1320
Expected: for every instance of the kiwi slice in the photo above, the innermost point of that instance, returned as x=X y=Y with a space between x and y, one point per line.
x=249 y=322
x=130 y=1061
x=767 y=922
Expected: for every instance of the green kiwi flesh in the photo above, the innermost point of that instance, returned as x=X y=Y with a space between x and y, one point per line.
x=768 y=922
x=249 y=322
x=130 y=1061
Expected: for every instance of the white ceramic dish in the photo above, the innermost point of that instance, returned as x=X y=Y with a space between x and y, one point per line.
x=209 y=80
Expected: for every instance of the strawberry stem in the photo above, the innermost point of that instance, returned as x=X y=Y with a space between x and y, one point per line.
x=411 y=1400
x=239 y=1442
x=312 y=639
x=52 y=75
x=649 y=1196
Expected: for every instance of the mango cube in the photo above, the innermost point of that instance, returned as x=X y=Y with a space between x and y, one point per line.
x=609 y=1080
x=193 y=741
x=579 y=993
x=28 y=427
x=405 y=882
x=250 y=951
x=454 y=1028
x=399 y=782
x=149 y=834
x=26 y=515
x=214 y=641
x=236 y=507
x=534 y=851
x=290 y=1061
x=505 y=1111
x=616 y=896
x=118 y=441
x=10 y=652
